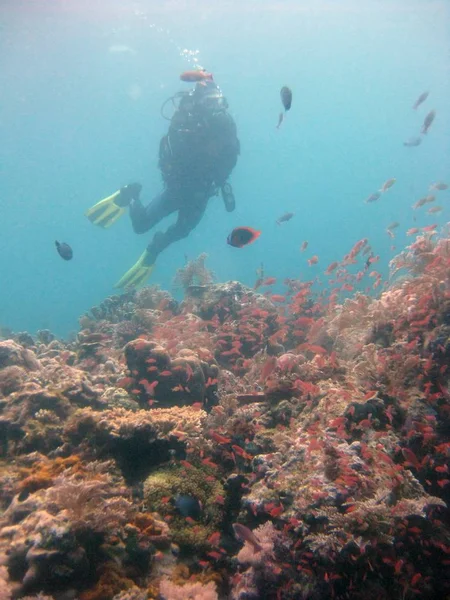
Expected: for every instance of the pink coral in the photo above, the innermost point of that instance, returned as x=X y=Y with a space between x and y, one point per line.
x=189 y=591
x=267 y=535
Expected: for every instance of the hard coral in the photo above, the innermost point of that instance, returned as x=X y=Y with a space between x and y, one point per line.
x=157 y=378
x=188 y=591
x=139 y=440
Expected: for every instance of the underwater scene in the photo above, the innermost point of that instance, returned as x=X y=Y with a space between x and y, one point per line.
x=225 y=302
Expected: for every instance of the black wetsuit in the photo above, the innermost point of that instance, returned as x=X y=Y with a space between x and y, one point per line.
x=196 y=158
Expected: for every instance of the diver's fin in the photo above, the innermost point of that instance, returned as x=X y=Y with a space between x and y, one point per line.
x=137 y=275
x=106 y=212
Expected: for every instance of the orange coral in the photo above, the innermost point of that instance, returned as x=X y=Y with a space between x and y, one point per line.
x=110 y=583
x=42 y=474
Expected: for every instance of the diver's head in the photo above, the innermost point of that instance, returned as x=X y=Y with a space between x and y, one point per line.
x=207 y=96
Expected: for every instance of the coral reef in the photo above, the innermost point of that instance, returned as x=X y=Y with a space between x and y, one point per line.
x=318 y=423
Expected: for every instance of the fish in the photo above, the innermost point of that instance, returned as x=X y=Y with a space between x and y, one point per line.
x=244 y=534
x=412 y=142
x=387 y=184
x=423 y=96
x=286 y=97
x=313 y=260
x=428 y=121
x=196 y=75
x=64 y=250
x=373 y=197
x=434 y=209
x=412 y=231
x=303 y=246
x=438 y=186
x=422 y=201
x=241 y=236
x=280 y=120
x=284 y=218
x=331 y=267
x=393 y=225
x=188 y=506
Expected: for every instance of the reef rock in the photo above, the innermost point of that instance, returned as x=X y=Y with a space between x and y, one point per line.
x=156 y=378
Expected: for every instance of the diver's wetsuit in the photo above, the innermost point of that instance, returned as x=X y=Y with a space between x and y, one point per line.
x=196 y=158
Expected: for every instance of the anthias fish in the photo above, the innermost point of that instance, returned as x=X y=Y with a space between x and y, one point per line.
x=420 y=100
x=373 y=197
x=64 y=250
x=387 y=184
x=241 y=236
x=286 y=97
x=286 y=217
x=439 y=186
x=193 y=76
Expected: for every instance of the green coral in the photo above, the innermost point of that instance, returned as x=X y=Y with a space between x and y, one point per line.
x=167 y=483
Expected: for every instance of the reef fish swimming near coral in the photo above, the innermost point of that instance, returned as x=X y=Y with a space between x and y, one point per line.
x=64 y=250
x=188 y=506
x=241 y=236
x=244 y=534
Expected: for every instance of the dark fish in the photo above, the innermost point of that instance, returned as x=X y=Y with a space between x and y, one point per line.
x=280 y=120
x=428 y=120
x=244 y=534
x=241 y=236
x=188 y=506
x=286 y=217
x=414 y=141
x=373 y=197
x=286 y=97
x=64 y=250
x=420 y=99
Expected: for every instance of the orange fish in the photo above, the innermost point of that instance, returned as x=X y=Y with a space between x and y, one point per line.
x=313 y=260
x=269 y=281
x=196 y=75
x=331 y=267
x=412 y=231
x=149 y=387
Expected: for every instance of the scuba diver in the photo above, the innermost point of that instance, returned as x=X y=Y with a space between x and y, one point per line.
x=196 y=157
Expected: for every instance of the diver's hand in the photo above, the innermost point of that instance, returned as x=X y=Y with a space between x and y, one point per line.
x=228 y=197
x=128 y=193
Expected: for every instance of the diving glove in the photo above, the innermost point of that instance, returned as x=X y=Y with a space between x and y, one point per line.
x=138 y=273
x=107 y=211
x=228 y=197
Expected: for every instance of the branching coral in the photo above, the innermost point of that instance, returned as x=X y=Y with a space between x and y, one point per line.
x=194 y=273
x=90 y=504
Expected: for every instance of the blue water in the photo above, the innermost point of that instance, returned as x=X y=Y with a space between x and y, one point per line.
x=79 y=119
